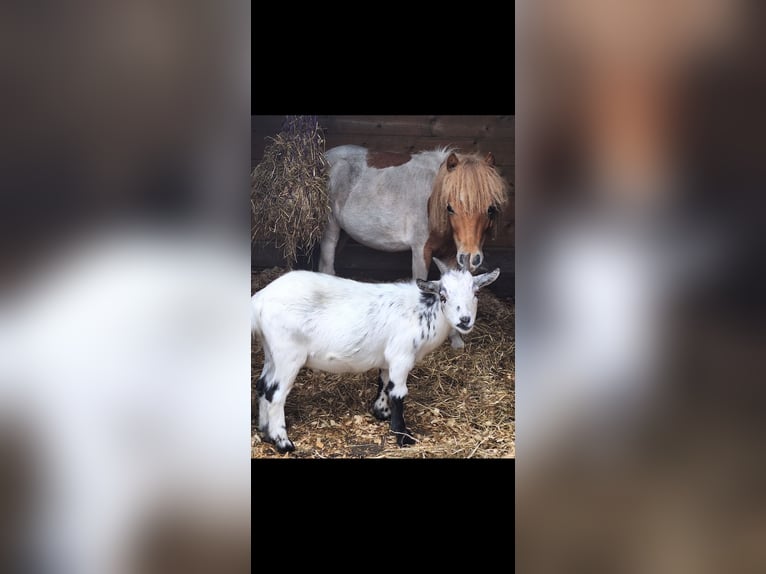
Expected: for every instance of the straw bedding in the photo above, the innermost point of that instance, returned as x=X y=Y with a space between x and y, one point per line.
x=461 y=403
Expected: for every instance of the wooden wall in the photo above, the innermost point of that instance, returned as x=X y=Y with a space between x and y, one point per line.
x=407 y=134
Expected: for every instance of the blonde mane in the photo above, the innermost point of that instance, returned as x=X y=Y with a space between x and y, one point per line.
x=471 y=187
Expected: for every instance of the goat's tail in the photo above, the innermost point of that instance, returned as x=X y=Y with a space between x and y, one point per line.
x=255 y=315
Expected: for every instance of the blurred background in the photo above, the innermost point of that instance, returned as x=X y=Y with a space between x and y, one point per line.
x=124 y=264
x=639 y=286
x=124 y=287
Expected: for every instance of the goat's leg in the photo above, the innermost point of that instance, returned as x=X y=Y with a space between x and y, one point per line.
x=267 y=375
x=274 y=397
x=397 y=390
x=380 y=406
x=327 y=246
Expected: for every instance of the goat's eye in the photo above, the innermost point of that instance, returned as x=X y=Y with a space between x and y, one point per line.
x=443 y=297
x=492 y=211
x=450 y=210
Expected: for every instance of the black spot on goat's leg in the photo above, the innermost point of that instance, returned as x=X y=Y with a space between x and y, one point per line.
x=380 y=407
x=403 y=434
x=260 y=387
x=271 y=389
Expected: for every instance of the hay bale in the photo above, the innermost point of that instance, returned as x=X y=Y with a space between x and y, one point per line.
x=288 y=189
x=461 y=403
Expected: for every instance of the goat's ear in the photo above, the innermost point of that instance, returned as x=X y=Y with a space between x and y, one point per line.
x=485 y=279
x=428 y=286
x=441 y=265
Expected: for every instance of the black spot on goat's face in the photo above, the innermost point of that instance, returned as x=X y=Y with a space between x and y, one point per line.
x=428 y=299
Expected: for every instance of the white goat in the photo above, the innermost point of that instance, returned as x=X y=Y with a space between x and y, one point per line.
x=341 y=326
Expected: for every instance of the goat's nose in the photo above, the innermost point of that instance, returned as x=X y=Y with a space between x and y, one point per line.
x=476 y=261
x=465 y=320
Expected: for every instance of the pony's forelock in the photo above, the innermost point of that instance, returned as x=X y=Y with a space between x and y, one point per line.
x=473 y=185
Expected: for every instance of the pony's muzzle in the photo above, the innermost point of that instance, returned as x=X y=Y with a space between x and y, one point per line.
x=470 y=261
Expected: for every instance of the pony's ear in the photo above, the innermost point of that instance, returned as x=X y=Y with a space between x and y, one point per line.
x=441 y=265
x=490 y=159
x=428 y=286
x=485 y=279
x=452 y=161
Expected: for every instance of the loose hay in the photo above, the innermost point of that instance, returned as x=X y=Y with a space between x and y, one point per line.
x=288 y=189
x=461 y=403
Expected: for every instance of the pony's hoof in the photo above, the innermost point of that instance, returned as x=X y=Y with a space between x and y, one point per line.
x=457 y=343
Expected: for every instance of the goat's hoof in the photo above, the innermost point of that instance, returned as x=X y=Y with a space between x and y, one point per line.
x=284 y=446
x=404 y=438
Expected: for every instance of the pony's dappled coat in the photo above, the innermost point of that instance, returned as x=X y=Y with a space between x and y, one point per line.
x=438 y=202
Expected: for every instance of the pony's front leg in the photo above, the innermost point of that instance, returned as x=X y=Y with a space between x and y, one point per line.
x=421 y=260
x=327 y=246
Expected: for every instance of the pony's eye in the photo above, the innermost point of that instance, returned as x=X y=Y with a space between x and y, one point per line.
x=492 y=211
x=450 y=210
x=443 y=297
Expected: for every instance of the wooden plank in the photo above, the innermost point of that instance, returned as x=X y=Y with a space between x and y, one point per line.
x=503 y=128
x=473 y=127
x=378 y=125
x=264 y=255
x=257 y=147
x=397 y=143
x=267 y=125
x=507 y=171
x=477 y=127
x=505 y=237
x=481 y=127
x=354 y=257
x=503 y=150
